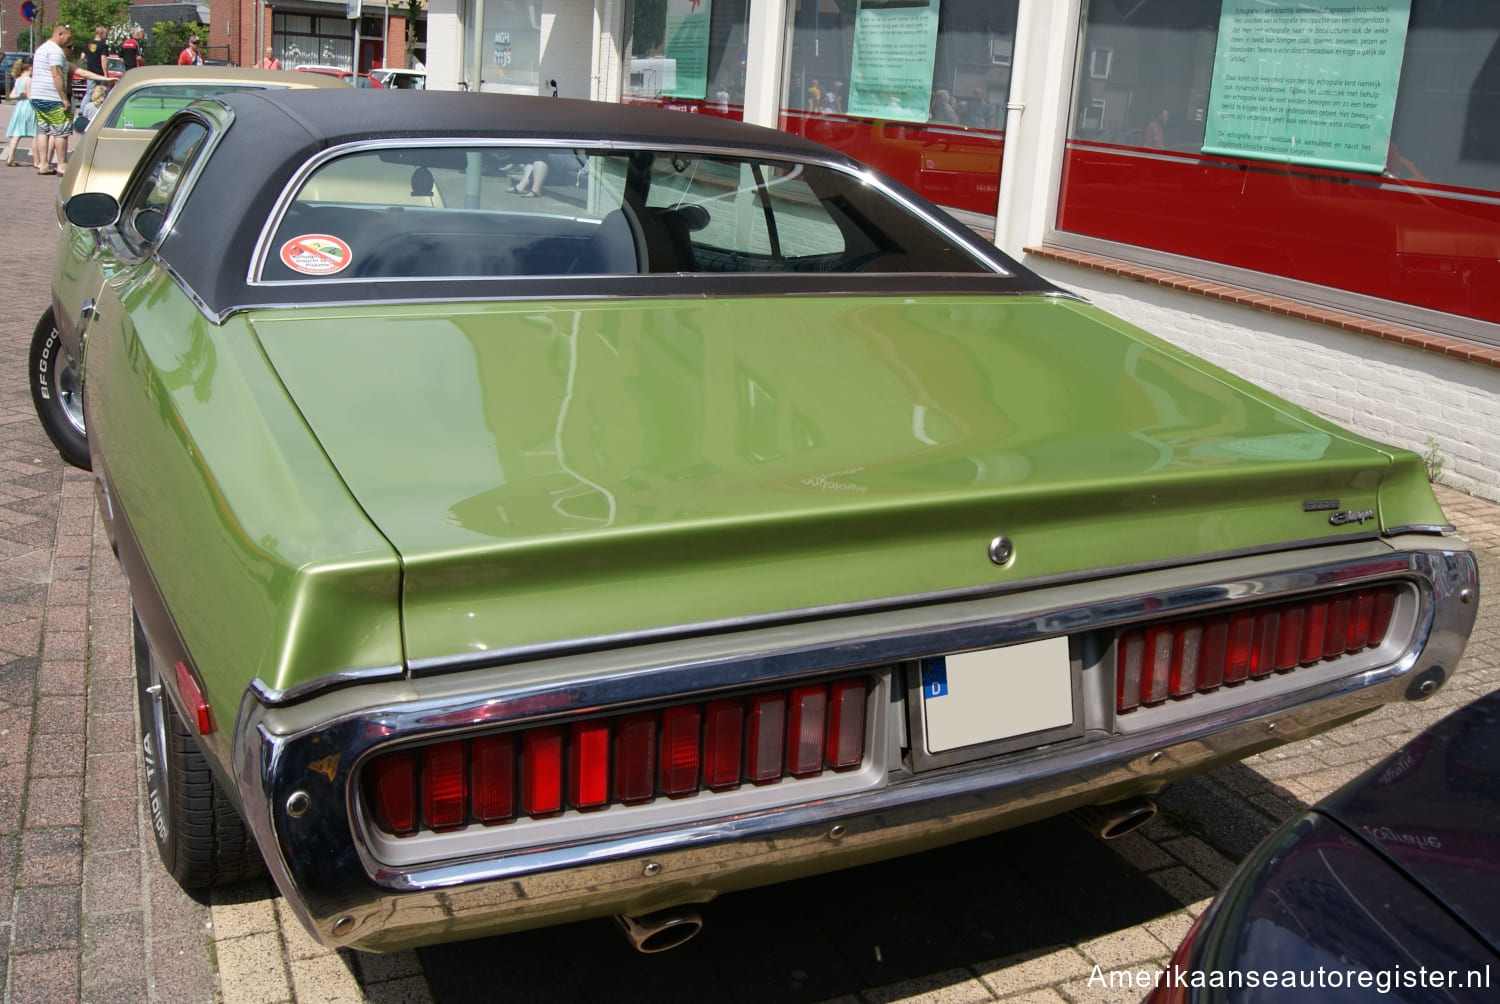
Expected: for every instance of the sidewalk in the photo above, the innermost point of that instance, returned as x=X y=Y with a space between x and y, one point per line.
x=86 y=912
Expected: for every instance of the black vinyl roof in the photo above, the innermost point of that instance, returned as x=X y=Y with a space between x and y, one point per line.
x=340 y=115
x=274 y=132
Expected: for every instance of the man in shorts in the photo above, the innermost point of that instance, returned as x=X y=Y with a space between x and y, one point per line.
x=49 y=96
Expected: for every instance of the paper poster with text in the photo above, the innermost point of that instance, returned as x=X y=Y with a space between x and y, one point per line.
x=687 y=47
x=1307 y=83
x=895 y=42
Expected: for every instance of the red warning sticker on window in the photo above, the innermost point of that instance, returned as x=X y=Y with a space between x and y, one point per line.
x=316 y=254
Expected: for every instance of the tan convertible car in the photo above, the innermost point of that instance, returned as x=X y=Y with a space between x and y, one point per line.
x=145 y=98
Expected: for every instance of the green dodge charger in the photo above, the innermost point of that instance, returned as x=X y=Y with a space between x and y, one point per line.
x=537 y=510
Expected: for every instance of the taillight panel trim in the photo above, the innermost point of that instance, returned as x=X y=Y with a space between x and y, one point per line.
x=554 y=806
x=276 y=744
x=1265 y=650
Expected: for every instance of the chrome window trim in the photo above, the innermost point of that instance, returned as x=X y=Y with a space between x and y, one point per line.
x=770 y=280
x=976 y=249
x=215 y=132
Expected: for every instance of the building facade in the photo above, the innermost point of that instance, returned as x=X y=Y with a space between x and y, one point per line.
x=1306 y=194
x=314 y=33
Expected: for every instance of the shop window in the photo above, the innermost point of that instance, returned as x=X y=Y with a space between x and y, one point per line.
x=917 y=90
x=309 y=41
x=688 y=55
x=1351 y=144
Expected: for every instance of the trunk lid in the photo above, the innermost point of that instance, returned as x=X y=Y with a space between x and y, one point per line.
x=552 y=471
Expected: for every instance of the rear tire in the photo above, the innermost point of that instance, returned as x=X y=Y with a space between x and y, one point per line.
x=57 y=392
x=200 y=836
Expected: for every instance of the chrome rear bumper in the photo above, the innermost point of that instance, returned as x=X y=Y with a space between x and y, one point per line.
x=295 y=765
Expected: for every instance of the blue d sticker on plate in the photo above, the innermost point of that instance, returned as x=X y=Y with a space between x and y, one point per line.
x=935 y=677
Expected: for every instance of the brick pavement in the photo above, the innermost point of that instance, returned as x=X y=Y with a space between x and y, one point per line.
x=86 y=912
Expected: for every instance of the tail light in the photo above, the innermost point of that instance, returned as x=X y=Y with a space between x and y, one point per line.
x=1197 y=655
x=445 y=796
x=628 y=759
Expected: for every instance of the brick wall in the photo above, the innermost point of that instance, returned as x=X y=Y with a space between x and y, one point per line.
x=1387 y=391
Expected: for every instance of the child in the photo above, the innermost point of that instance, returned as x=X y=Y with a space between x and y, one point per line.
x=91 y=104
x=22 y=116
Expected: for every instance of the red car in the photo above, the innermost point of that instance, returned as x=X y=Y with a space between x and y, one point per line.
x=114 y=68
x=348 y=76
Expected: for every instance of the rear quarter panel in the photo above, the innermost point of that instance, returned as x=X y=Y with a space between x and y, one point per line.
x=262 y=559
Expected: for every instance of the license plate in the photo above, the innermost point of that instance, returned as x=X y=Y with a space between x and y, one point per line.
x=998 y=694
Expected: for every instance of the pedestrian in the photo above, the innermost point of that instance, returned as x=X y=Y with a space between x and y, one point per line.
x=94 y=51
x=1156 y=134
x=130 y=49
x=532 y=179
x=190 y=56
x=50 y=99
x=23 y=116
x=942 y=108
x=269 y=60
x=91 y=108
x=979 y=113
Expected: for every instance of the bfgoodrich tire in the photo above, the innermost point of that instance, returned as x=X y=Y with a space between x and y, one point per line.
x=57 y=392
x=200 y=836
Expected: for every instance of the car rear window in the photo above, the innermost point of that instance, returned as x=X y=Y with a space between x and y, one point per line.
x=499 y=211
x=148 y=107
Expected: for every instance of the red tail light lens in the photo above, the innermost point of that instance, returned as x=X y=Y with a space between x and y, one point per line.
x=588 y=767
x=1314 y=633
x=492 y=767
x=679 y=751
x=1263 y=646
x=1196 y=655
x=629 y=759
x=635 y=758
x=542 y=771
x=1241 y=641
x=191 y=690
x=1213 y=655
x=1183 y=678
x=846 y=724
x=445 y=787
x=724 y=743
x=1158 y=667
x=395 y=792
x=807 y=735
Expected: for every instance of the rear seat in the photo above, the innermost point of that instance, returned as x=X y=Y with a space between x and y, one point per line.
x=395 y=242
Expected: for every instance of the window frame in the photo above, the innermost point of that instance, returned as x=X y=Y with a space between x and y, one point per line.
x=140 y=181
x=1077 y=55
x=985 y=257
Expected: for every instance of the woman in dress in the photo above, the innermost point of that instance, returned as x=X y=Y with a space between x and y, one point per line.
x=22 y=115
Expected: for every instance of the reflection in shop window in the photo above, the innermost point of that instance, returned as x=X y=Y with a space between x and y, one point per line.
x=687 y=54
x=1100 y=61
x=1350 y=144
x=916 y=88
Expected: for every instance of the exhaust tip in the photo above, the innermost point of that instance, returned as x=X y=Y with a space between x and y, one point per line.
x=1116 y=819
x=660 y=931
